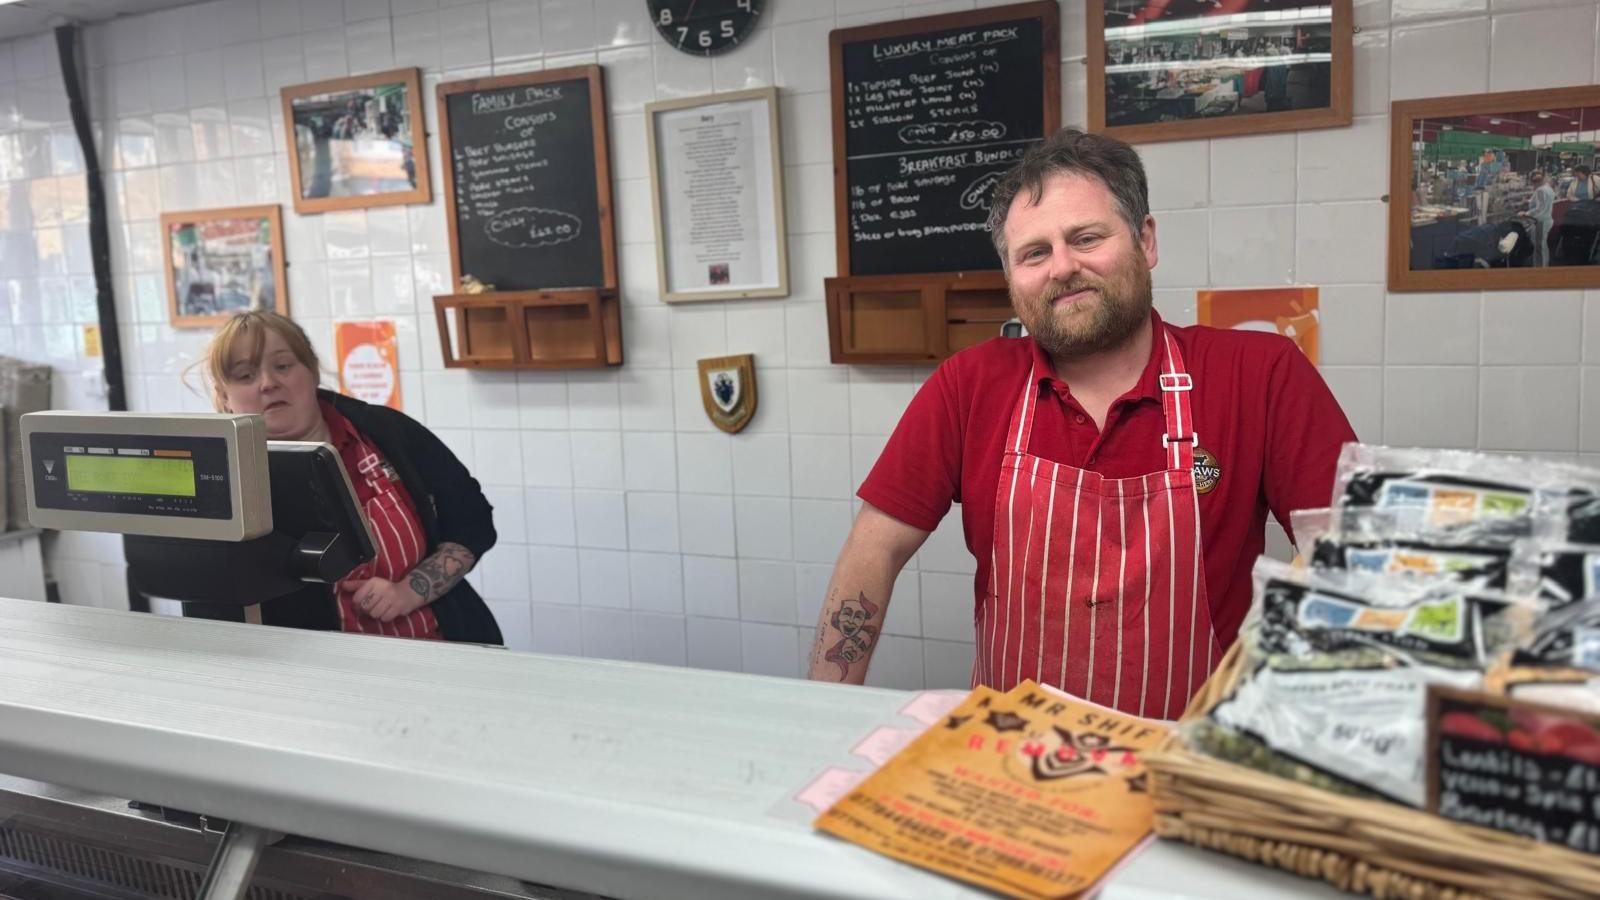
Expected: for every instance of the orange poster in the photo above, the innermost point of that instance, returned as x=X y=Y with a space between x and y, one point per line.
x=369 y=364
x=1291 y=312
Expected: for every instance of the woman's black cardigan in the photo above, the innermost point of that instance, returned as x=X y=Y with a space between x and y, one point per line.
x=450 y=506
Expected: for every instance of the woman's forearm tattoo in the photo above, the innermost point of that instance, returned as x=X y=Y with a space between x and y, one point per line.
x=442 y=571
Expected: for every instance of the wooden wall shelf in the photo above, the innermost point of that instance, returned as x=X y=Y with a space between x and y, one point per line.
x=913 y=319
x=566 y=329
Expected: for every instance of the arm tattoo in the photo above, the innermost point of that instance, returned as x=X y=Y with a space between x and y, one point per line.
x=442 y=571
x=855 y=636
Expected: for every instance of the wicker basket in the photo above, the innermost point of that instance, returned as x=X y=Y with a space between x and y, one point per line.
x=1363 y=846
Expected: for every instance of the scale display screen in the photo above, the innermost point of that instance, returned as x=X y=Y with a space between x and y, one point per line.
x=162 y=476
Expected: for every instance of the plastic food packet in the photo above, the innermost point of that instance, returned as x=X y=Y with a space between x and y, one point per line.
x=1565 y=636
x=1382 y=542
x=1456 y=497
x=1336 y=671
x=1556 y=573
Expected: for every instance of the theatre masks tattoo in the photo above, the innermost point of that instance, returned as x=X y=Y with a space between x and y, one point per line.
x=850 y=620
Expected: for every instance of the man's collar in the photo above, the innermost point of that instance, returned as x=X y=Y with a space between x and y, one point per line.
x=1148 y=386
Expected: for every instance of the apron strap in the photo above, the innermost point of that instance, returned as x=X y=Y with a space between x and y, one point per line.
x=1179 y=441
x=1022 y=415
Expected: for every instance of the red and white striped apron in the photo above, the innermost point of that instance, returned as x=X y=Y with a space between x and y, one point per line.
x=1096 y=585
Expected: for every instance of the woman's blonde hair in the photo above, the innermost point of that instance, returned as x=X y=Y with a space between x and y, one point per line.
x=252 y=327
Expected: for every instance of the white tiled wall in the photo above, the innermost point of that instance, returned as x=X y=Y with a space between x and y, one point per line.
x=629 y=527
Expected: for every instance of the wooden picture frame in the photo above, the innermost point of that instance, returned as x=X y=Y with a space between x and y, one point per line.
x=599 y=125
x=1125 y=125
x=754 y=179
x=218 y=264
x=378 y=144
x=1450 y=214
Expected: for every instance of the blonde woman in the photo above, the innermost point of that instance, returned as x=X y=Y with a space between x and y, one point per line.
x=428 y=516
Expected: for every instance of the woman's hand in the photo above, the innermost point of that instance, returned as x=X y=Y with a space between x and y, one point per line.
x=385 y=600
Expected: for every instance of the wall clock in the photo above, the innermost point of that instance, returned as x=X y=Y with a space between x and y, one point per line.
x=704 y=27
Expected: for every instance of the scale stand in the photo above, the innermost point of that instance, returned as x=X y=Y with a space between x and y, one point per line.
x=234 y=863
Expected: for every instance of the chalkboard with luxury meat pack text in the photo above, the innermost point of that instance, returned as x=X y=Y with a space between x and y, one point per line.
x=927 y=115
x=528 y=180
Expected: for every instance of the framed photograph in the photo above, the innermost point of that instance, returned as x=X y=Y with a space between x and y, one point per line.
x=1495 y=191
x=1198 y=69
x=356 y=142
x=224 y=261
x=716 y=180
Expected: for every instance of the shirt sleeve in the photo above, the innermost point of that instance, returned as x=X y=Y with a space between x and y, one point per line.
x=918 y=475
x=1306 y=429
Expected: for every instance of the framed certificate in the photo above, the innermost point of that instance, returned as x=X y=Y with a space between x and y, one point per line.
x=716 y=179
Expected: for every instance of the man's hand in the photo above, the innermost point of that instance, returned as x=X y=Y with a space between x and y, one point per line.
x=384 y=600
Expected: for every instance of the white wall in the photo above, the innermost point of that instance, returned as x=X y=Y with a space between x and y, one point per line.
x=629 y=527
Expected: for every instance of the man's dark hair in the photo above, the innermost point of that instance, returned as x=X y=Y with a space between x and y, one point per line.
x=1582 y=170
x=1070 y=151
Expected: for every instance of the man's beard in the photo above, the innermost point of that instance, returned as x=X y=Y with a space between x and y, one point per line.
x=1070 y=333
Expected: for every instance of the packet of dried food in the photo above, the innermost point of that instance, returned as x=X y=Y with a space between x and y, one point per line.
x=1464 y=497
x=1559 y=574
x=1336 y=671
x=1565 y=636
x=1381 y=541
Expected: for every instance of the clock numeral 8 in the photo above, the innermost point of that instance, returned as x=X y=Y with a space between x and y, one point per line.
x=666 y=17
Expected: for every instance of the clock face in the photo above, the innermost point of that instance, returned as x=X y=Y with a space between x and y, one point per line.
x=704 y=27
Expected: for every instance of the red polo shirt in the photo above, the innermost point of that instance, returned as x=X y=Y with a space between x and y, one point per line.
x=1259 y=406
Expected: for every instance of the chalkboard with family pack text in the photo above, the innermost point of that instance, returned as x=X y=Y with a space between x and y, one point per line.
x=927 y=115
x=528 y=180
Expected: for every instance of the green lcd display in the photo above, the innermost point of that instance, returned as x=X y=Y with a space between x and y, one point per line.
x=130 y=475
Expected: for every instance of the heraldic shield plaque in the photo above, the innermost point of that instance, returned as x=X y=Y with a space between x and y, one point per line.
x=728 y=390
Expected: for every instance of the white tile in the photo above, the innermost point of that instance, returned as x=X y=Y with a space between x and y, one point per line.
x=1340 y=243
x=821 y=466
x=243 y=74
x=1545 y=49
x=1177 y=172
x=878 y=397
x=504 y=573
x=1431 y=407
x=820 y=527
x=947 y=606
x=715 y=644
x=465 y=36
x=542 y=397
x=279 y=17
x=514 y=30
x=369 y=46
x=645 y=400
x=568 y=26
x=1345 y=163
x=597 y=459
x=1371 y=75
x=756 y=327
x=546 y=459
x=803 y=141
x=318 y=13
x=650 y=461
x=326 y=54
x=896 y=663
x=515 y=620
x=656 y=581
x=808 y=198
x=1253 y=170
x=551 y=519
x=1401 y=10
x=819 y=401
x=905 y=608
x=361 y=10
x=679 y=75
x=1351 y=320
x=698 y=332
x=494 y=400
x=747 y=66
x=350 y=297
x=761 y=465
x=1182 y=241
x=766 y=592
x=806 y=325
x=1439 y=59
x=705 y=463
x=653 y=521
x=810 y=588
x=660 y=639
x=705 y=524
x=621 y=22
x=1432 y=329
x=864 y=452
x=1532 y=328
x=603 y=575
x=630 y=155
x=416 y=39
x=1591 y=326
x=630 y=79
x=493 y=449
x=553 y=575
x=510 y=513
x=770 y=649
x=800 y=56
x=1528 y=408
x=764 y=527
x=947 y=665
x=1359 y=390
x=607 y=634
x=1589 y=434
x=1252 y=246
x=711 y=586
x=592 y=400
x=602 y=519
x=556 y=630
x=446 y=398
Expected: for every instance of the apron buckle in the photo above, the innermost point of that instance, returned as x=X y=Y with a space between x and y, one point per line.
x=1167 y=440
x=1174 y=382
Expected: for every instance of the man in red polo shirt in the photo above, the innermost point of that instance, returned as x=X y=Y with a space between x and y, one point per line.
x=1114 y=472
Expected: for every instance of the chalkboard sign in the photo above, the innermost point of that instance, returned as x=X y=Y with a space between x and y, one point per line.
x=1523 y=768
x=927 y=114
x=528 y=180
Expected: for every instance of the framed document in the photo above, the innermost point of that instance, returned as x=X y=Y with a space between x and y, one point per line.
x=716 y=178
